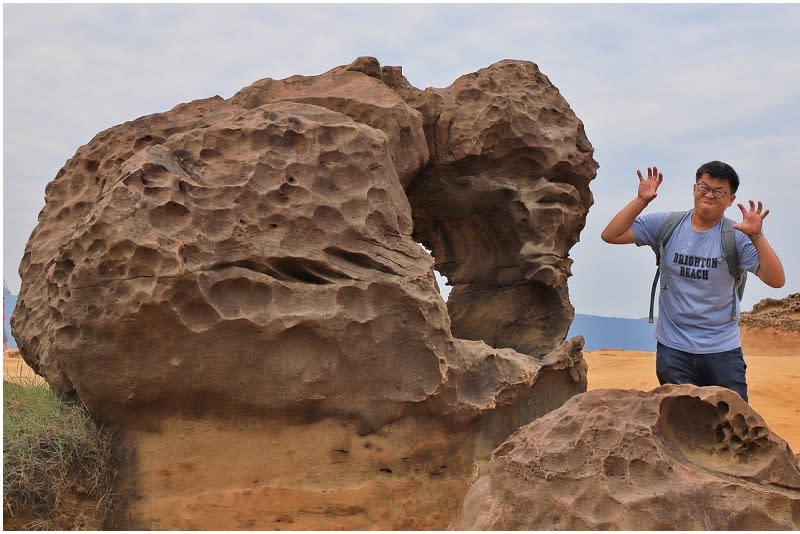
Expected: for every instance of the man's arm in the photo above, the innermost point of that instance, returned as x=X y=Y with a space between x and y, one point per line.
x=619 y=231
x=770 y=270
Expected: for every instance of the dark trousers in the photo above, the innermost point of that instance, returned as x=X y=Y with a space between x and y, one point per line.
x=726 y=369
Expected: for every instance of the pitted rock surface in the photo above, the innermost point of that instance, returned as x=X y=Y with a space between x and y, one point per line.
x=239 y=285
x=355 y=90
x=676 y=458
x=502 y=201
x=258 y=253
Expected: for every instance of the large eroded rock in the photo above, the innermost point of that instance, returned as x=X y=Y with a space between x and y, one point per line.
x=257 y=252
x=255 y=258
x=676 y=458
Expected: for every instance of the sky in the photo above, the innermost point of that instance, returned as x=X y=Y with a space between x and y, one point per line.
x=672 y=85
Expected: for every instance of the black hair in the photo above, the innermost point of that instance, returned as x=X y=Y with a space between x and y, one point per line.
x=720 y=171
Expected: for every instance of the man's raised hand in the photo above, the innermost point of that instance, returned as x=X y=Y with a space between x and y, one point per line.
x=752 y=219
x=648 y=187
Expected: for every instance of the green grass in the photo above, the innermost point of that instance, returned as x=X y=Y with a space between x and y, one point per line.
x=54 y=456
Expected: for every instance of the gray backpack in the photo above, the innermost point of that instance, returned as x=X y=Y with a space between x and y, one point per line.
x=728 y=239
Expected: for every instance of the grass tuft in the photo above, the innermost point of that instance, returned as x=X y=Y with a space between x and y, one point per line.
x=56 y=459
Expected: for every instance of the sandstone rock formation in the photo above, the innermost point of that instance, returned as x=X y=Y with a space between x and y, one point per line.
x=771 y=315
x=500 y=209
x=675 y=458
x=256 y=257
x=267 y=238
x=773 y=325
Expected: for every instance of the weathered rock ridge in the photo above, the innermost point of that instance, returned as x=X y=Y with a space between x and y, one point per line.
x=775 y=315
x=675 y=458
x=255 y=257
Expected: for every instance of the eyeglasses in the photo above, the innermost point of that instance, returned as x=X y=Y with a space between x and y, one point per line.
x=703 y=189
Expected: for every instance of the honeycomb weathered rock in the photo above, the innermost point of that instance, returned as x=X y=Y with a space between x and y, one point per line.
x=675 y=458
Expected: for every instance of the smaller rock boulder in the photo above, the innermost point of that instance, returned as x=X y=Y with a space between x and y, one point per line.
x=677 y=458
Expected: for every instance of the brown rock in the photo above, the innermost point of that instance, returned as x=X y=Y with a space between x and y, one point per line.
x=773 y=327
x=776 y=315
x=675 y=458
x=257 y=252
x=228 y=251
x=502 y=201
x=253 y=258
x=355 y=90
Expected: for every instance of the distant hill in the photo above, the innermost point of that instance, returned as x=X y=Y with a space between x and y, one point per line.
x=613 y=333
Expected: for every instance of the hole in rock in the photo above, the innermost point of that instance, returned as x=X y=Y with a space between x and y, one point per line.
x=703 y=434
x=441 y=280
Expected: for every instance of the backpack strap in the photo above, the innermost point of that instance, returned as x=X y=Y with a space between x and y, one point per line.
x=664 y=233
x=732 y=258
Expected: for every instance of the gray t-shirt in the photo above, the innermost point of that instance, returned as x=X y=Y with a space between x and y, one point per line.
x=694 y=304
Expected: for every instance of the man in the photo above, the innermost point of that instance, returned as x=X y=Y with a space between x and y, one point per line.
x=698 y=339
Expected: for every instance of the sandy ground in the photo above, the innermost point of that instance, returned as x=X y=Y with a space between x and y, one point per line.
x=773 y=373
x=294 y=493
x=15 y=369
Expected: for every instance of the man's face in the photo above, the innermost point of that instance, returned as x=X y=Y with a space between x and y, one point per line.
x=712 y=196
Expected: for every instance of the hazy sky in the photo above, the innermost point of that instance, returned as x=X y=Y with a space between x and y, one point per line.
x=675 y=85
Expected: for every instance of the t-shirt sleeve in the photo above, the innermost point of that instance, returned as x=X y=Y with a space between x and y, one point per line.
x=646 y=228
x=748 y=255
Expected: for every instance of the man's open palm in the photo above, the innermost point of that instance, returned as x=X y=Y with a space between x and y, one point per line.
x=752 y=219
x=648 y=187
